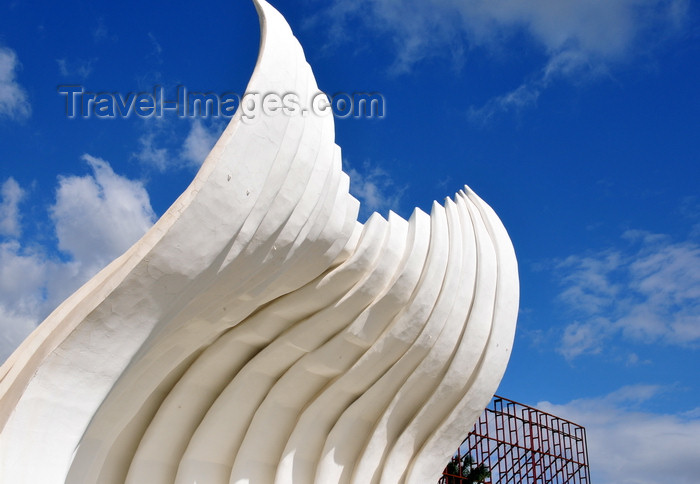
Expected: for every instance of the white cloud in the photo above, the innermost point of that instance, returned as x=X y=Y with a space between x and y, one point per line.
x=11 y=194
x=585 y=337
x=629 y=446
x=595 y=28
x=649 y=292
x=13 y=98
x=23 y=275
x=374 y=188
x=199 y=142
x=15 y=326
x=96 y=218
x=576 y=36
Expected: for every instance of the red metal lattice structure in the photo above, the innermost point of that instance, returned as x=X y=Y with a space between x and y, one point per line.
x=521 y=444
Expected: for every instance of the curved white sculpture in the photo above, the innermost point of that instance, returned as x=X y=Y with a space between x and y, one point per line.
x=259 y=334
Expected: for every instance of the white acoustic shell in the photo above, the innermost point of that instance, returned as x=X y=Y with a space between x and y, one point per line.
x=258 y=333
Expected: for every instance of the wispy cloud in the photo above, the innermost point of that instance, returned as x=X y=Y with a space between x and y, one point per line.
x=150 y=153
x=96 y=217
x=647 y=292
x=374 y=188
x=524 y=96
x=162 y=146
x=630 y=446
x=199 y=141
x=101 y=33
x=565 y=64
x=78 y=69
x=575 y=36
x=14 y=103
x=156 y=49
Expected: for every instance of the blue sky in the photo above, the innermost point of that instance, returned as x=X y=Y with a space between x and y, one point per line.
x=576 y=120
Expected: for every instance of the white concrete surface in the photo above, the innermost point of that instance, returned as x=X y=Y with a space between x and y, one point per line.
x=259 y=334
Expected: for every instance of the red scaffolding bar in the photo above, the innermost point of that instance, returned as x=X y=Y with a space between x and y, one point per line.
x=518 y=444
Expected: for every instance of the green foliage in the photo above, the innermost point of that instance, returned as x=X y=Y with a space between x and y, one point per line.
x=471 y=473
